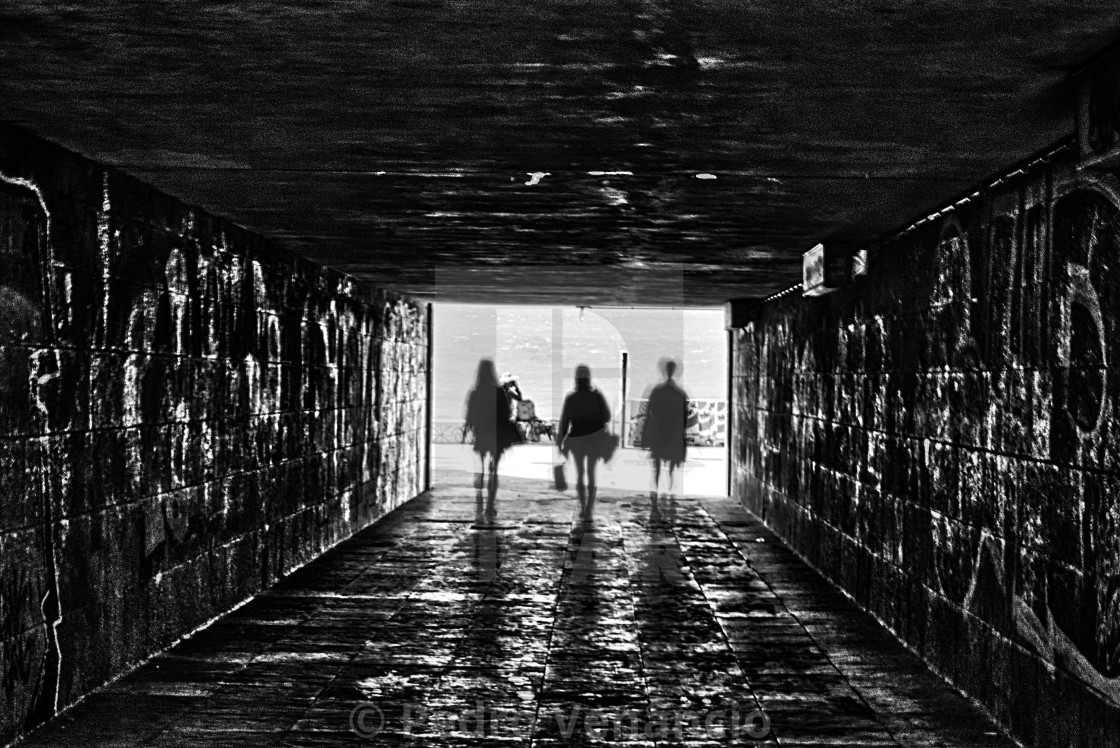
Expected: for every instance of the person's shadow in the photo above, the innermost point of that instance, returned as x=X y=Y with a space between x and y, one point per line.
x=663 y=510
x=587 y=509
x=487 y=560
x=585 y=564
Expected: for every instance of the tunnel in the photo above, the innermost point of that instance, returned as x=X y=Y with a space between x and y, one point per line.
x=240 y=242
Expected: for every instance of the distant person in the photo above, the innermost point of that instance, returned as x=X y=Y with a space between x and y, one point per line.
x=583 y=434
x=509 y=383
x=488 y=417
x=664 y=431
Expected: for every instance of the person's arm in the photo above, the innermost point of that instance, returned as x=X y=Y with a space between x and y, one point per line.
x=565 y=422
x=468 y=417
x=606 y=409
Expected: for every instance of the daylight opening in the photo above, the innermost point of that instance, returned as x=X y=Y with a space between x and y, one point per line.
x=535 y=351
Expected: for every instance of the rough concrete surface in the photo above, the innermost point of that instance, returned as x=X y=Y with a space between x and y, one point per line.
x=186 y=414
x=391 y=139
x=940 y=438
x=446 y=609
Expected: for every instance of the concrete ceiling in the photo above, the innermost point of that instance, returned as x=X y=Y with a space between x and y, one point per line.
x=397 y=139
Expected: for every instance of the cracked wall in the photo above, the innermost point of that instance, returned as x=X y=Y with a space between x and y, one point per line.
x=186 y=414
x=942 y=439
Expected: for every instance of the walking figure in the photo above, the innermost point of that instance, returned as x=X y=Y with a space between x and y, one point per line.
x=488 y=416
x=664 y=431
x=583 y=434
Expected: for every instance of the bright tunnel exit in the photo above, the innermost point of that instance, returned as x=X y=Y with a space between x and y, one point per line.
x=539 y=348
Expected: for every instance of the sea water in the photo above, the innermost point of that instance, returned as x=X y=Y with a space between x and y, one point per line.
x=543 y=345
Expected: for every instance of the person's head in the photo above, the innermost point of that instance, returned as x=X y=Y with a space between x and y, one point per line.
x=487 y=374
x=670 y=368
x=583 y=377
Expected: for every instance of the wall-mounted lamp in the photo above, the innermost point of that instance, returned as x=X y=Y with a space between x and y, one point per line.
x=825 y=268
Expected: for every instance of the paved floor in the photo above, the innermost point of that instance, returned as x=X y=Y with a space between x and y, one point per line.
x=446 y=625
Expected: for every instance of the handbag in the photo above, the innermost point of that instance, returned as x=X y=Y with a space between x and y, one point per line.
x=610 y=445
x=559 y=480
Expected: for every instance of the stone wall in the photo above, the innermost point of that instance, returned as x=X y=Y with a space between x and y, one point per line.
x=941 y=438
x=186 y=414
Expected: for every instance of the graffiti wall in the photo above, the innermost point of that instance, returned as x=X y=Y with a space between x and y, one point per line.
x=942 y=439
x=186 y=414
x=705 y=426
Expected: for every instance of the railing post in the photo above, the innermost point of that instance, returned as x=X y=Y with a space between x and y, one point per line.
x=428 y=400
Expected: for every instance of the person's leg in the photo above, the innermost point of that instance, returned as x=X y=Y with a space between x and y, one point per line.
x=591 y=463
x=656 y=477
x=479 y=476
x=672 y=471
x=492 y=486
x=578 y=459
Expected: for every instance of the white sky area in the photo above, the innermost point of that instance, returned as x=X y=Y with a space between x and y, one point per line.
x=543 y=345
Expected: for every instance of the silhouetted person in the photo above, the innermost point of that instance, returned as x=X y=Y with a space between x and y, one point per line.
x=664 y=431
x=510 y=385
x=582 y=433
x=488 y=417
